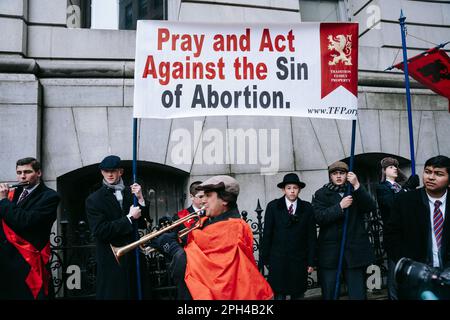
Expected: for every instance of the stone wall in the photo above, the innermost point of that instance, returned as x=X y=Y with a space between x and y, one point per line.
x=66 y=96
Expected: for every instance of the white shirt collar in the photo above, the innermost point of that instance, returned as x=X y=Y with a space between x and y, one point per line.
x=30 y=190
x=441 y=199
x=288 y=203
x=391 y=181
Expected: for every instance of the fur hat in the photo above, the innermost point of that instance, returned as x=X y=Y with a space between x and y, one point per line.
x=387 y=162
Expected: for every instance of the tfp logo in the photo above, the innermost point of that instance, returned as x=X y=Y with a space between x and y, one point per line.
x=342 y=44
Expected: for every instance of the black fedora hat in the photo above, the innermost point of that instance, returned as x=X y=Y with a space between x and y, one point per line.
x=291 y=178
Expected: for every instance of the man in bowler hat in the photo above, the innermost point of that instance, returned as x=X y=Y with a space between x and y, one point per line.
x=111 y=216
x=289 y=240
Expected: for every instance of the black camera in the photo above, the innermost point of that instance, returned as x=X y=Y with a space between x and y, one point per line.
x=415 y=279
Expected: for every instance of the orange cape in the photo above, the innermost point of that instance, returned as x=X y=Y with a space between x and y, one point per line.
x=221 y=266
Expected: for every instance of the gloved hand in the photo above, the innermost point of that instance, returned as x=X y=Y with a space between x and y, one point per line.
x=167 y=244
x=412 y=183
x=163 y=221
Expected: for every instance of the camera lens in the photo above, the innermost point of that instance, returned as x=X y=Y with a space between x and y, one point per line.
x=414 y=277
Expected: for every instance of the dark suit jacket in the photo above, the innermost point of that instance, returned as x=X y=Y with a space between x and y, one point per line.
x=408 y=231
x=330 y=218
x=110 y=225
x=31 y=219
x=288 y=245
x=385 y=199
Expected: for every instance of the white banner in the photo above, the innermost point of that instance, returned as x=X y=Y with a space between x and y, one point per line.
x=202 y=69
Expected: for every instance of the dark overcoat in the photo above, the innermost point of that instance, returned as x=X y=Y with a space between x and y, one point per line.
x=32 y=220
x=110 y=225
x=408 y=231
x=288 y=245
x=330 y=218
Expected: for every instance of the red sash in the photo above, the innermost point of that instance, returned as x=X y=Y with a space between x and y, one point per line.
x=38 y=276
x=183 y=213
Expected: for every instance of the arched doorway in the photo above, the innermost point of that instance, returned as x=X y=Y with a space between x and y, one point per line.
x=368 y=168
x=163 y=188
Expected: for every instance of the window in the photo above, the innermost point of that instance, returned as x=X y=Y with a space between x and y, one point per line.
x=318 y=10
x=131 y=10
x=142 y=8
x=128 y=16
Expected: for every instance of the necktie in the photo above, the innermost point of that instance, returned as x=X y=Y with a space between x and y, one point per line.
x=23 y=195
x=396 y=187
x=438 y=222
x=291 y=209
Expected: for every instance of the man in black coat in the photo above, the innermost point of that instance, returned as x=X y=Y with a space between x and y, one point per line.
x=329 y=204
x=289 y=240
x=393 y=181
x=27 y=214
x=418 y=228
x=111 y=217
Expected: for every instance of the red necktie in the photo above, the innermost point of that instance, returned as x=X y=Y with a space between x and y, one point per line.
x=438 y=223
x=397 y=187
x=291 y=209
x=23 y=195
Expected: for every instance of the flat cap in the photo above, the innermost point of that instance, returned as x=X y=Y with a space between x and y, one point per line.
x=338 y=166
x=110 y=163
x=222 y=182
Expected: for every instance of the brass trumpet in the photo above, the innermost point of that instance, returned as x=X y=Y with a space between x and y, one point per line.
x=120 y=251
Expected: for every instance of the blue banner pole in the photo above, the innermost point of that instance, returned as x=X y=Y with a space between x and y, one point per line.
x=349 y=190
x=135 y=203
x=408 y=94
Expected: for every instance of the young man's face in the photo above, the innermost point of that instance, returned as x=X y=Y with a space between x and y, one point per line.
x=112 y=176
x=197 y=200
x=291 y=191
x=391 y=172
x=435 y=180
x=338 y=177
x=26 y=173
x=214 y=206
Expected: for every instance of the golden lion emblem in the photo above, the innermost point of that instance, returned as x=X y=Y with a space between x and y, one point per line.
x=343 y=46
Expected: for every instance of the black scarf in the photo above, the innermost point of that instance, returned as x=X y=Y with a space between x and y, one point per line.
x=340 y=189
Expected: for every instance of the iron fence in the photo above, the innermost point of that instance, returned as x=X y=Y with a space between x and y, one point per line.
x=73 y=253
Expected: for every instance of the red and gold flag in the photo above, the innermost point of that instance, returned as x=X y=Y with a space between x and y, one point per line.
x=432 y=69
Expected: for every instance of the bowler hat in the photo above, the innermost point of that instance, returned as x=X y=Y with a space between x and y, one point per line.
x=291 y=178
x=110 y=163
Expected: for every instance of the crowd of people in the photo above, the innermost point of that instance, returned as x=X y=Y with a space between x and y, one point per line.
x=216 y=261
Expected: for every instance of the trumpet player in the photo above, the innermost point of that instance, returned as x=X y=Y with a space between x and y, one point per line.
x=217 y=263
x=111 y=216
x=27 y=212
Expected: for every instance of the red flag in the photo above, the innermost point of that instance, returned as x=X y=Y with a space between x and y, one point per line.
x=432 y=69
x=339 y=57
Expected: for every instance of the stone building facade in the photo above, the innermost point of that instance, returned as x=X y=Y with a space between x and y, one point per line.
x=66 y=97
